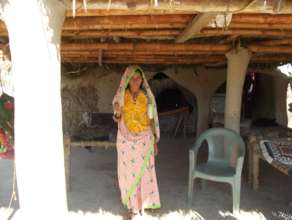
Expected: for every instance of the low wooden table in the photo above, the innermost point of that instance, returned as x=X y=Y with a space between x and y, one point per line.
x=255 y=154
x=69 y=143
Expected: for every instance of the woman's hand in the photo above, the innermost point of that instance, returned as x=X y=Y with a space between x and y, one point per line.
x=116 y=119
x=117 y=112
x=117 y=108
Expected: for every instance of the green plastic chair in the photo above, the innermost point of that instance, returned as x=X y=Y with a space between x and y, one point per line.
x=221 y=143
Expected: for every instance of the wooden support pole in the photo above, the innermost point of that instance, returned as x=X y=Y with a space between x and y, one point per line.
x=39 y=153
x=238 y=60
x=280 y=93
x=194 y=27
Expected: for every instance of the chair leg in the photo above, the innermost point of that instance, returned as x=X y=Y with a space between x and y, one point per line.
x=236 y=196
x=190 y=190
x=203 y=184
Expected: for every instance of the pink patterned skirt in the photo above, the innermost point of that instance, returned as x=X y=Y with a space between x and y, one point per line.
x=136 y=169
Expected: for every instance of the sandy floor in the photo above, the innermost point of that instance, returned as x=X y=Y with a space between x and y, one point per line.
x=95 y=192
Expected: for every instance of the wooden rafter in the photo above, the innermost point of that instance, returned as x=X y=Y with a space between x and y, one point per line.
x=127 y=22
x=170 y=60
x=170 y=47
x=136 y=53
x=200 y=6
x=262 y=18
x=119 y=12
x=261 y=25
x=246 y=32
x=157 y=46
x=277 y=42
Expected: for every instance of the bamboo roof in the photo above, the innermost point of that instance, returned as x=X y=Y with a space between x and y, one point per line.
x=170 y=32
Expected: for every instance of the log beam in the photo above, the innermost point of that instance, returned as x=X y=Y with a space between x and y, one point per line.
x=145 y=47
x=277 y=42
x=245 y=32
x=262 y=18
x=122 y=33
x=170 y=47
x=260 y=25
x=200 y=6
x=127 y=22
x=142 y=59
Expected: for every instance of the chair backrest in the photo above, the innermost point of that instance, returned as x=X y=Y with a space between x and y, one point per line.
x=222 y=143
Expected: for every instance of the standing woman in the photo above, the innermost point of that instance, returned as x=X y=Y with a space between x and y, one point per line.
x=138 y=134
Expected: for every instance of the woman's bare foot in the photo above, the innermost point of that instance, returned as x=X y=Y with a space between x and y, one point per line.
x=132 y=215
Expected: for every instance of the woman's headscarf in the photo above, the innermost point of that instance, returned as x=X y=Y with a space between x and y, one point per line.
x=119 y=97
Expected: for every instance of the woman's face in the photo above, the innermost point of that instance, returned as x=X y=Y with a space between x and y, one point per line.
x=135 y=83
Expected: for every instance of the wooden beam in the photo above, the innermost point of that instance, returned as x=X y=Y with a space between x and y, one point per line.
x=262 y=18
x=170 y=33
x=194 y=27
x=136 y=53
x=142 y=61
x=261 y=25
x=277 y=42
x=126 y=22
x=206 y=32
x=167 y=60
x=145 y=46
x=271 y=49
x=150 y=57
x=200 y=6
x=169 y=47
x=122 y=33
x=145 y=55
x=245 y=32
x=269 y=59
x=118 y=12
x=195 y=24
x=160 y=33
x=257 y=18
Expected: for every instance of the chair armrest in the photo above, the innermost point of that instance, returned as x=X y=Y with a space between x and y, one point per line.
x=197 y=144
x=192 y=163
x=193 y=152
x=192 y=159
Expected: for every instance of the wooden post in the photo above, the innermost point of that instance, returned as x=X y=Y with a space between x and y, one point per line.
x=34 y=29
x=238 y=60
x=280 y=90
x=203 y=112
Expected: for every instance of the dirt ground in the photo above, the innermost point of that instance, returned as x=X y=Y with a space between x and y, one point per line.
x=95 y=193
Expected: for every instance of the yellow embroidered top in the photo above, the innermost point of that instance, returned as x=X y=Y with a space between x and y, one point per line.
x=135 y=113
